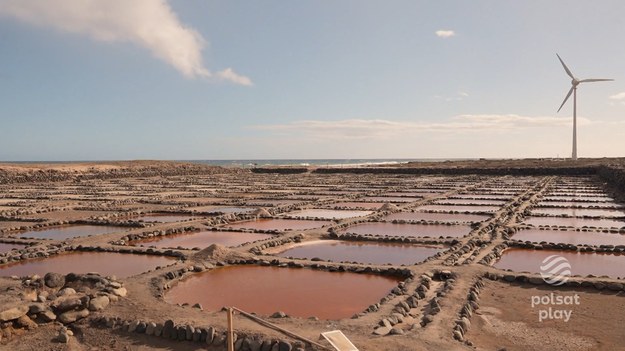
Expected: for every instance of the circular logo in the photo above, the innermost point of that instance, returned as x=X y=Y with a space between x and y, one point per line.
x=555 y=270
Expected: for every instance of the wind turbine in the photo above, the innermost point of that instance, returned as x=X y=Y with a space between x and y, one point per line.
x=574 y=83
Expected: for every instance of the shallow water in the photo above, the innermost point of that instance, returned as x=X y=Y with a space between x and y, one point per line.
x=575 y=222
x=410 y=230
x=363 y=252
x=71 y=231
x=582 y=263
x=105 y=263
x=297 y=292
x=460 y=208
x=279 y=224
x=579 y=212
x=471 y=202
x=570 y=237
x=328 y=214
x=202 y=239
x=392 y=199
x=430 y=216
x=577 y=204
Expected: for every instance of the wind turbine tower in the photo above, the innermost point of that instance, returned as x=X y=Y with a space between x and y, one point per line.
x=574 y=83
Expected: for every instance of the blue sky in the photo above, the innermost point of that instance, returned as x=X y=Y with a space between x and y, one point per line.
x=148 y=79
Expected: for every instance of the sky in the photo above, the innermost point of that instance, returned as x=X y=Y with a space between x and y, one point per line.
x=157 y=79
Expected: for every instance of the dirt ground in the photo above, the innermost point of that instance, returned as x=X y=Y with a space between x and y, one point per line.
x=504 y=321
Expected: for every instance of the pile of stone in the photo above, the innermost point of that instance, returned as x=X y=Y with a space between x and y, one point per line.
x=463 y=322
x=61 y=298
x=205 y=335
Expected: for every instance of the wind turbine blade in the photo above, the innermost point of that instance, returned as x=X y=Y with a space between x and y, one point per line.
x=568 y=71
x=566 y=98
x=595 y=80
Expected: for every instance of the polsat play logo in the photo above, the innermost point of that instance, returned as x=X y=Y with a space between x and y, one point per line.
x=555 y=270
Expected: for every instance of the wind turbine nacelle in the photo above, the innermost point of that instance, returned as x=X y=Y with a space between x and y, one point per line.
x=575 y=82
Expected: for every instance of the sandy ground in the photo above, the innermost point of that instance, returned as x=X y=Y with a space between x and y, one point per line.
x=505 y=319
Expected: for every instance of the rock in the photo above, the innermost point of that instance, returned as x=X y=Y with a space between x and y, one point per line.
x=149 y=330
x=279 y=314
x=197 y=335
x=168 y=329
x=384 y=330
x=284 y=346
x=121 y=292
x=66 y=291
x=181 y=333
x=72 y=316
x=47 y=316
x=36 y=308
x=54 y=280
x=66 y=303
x=133 y=326
x=25 y=322
x=13 y=313
x=210 y=335
x=63 y=338
x=99 y=303
x=190 y=330
x=396 y=331
x=158 y=330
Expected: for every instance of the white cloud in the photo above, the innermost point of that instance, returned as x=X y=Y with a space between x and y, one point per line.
x=619 y=96
x=385 y=129
x=445 y=33
x=463 y=94
x=151 y=24
x=229 y=74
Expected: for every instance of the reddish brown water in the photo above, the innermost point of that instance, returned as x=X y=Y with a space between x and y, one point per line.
x=575 y=222
x=413 y=230
x=570 y=237
x=459 y=208
x=391 y=199
x=73 y=231
x=484 y=196
x=279 y=224
x=224 y=209
x=297 y=292
x=363 y=252
x=8 y=247
x=472 y=201
x=328 y=214
x=203 y=239
x=429 y=216
x=582 y=263
x=578 y=212
x=106 y=263
x=368 y=205
x=164 y=218
x=577 y=204
x=579 y=197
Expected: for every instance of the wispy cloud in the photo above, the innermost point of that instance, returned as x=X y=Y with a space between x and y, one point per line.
x=381 y=129
x=619 y=96
x=445 y=33
x=151 y=24
x=461 y=95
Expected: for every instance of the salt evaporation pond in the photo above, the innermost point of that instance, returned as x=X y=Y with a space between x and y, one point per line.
x=363 y=252
x=578 y=204
x=460 y=208
x=582 y=263
x=165 y=218
x=8 y=247
x=297 y=292
x=409 y=230
x=395 y=199
x=353 y=204
x=328 y=214
x=575 y=222
x=436 y=216
x=570 y=237
x=105 y=263
x=279 y=224
x=202 y=239
x=471 y=202
x=71 y=231
x=579 y=212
